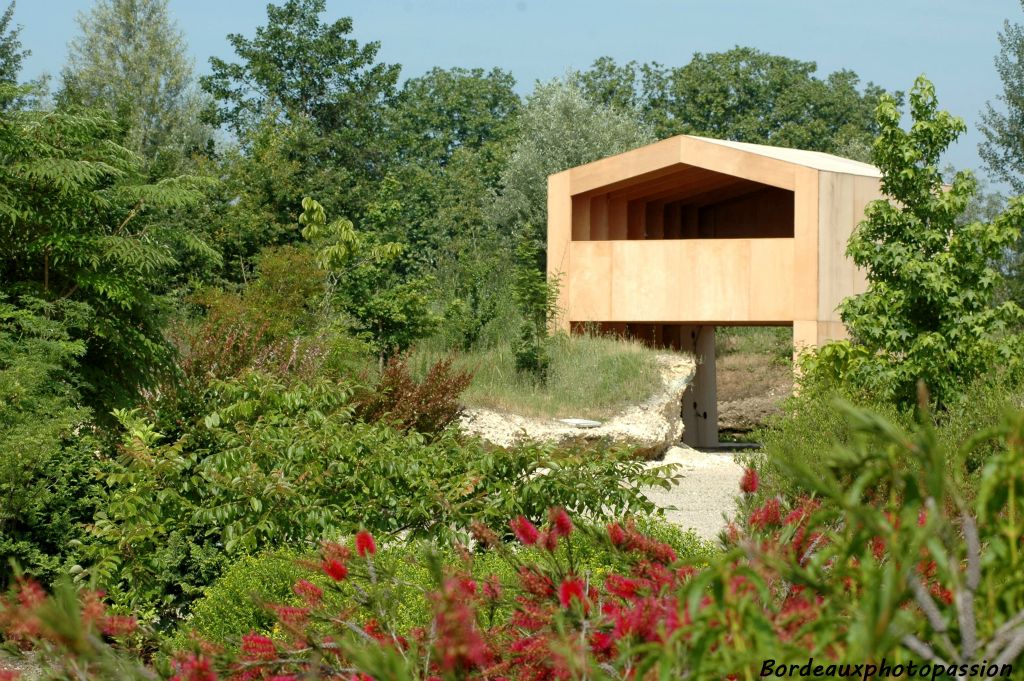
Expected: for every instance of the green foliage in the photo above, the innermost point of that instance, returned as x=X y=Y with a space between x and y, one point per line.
x=11 y=53
x=928 y=312
x=235 y=603
x=273 y=464
x=44 y=458
x=560 y=127
x=312 y=96
x=537 y=299
x=746 y=95
x=445 y=110
x=74 y=211
x=131 y=62
x=389 y=312
x=814 y=424
x=1003 y=147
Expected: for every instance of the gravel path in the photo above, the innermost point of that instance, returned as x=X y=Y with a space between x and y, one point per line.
x=706 y=494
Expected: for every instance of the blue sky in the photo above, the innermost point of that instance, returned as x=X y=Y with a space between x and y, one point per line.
x=889 y=42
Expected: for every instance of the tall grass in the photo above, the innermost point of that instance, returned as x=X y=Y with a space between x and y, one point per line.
x=590 y=377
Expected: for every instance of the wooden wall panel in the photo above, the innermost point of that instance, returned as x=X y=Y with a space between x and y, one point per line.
x=599 y=217
x=561 y=229
x=716 y=280
x=617 y=219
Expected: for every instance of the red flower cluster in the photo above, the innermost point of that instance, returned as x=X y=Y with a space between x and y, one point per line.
x=459 y=640
x=750 y=481
x=365 y=545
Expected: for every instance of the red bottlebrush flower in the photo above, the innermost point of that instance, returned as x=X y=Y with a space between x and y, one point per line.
x=569 y=589
x=601 y=642
x=922 y=517
x=620 y=586
x=291 y=615
x=483 y=534
x=30 y=594
x=334 y=569
x=118 y=625
x=877 y=547
x=560 y=521
x=308 y=591
x=256 y=647
x=549 y=539
x=617 y=535
x=535 y=583
x=525 y=531
x=365 y=545
x=459 y=641
x=750 y=481
x=193 y=668
x=492 y=588
x=767 y=515
x=942 y=594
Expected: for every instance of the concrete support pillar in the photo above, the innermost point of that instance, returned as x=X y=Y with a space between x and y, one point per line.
x=700 y=401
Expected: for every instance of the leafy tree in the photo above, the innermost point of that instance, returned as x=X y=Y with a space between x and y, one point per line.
x=131 y=62
x=73 y=218
x=746 y=95
x=390 y=312
x=536 y=298
x=11 y=53
x=1003 y=148
x=313 y=95
x=560 y=127
x=436 y=114
x=44 y=466
x=928 y=312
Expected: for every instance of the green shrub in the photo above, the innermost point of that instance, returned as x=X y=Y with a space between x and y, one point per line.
x=273 y=464
x=47 y=444
x=235 y=603
x=814 y=424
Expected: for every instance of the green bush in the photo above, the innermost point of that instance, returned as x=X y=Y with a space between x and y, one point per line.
x=47 y=443
x=814 y=424
x=234 y=604
x=273 y=464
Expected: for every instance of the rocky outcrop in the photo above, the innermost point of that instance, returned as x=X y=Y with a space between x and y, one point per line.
x=651 y=427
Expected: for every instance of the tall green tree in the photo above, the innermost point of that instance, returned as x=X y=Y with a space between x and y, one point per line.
x=1003 y=127
x=11 y=52
x=747 y=95
x=445 y=110
x=74 y=221
x=560 y=127
x=130 y=61
x=389 y=311
x=929 y=311
x=305 y=102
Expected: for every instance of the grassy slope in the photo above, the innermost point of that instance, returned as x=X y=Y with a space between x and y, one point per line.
x=591 y=377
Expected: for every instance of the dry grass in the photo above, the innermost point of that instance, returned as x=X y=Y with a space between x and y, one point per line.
x=590 y=377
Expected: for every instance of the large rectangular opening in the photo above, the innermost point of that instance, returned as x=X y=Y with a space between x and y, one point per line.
x=691 y=203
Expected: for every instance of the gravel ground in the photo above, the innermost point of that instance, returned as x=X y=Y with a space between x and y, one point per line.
x=706 y=494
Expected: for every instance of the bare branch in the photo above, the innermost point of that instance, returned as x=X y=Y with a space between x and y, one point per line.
x=916 y=645
x=1003 y=634
x=1012 y=649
